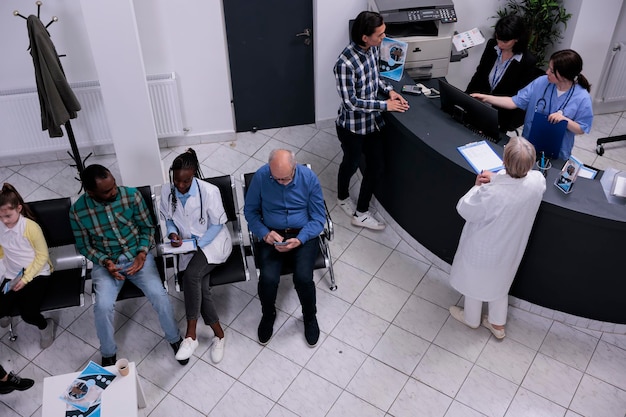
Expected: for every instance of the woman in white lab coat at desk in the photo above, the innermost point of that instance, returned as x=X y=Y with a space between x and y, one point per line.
x=499 y=212
x=193 y=209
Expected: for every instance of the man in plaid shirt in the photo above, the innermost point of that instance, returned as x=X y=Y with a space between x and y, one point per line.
x=113 y=229
x=360 y=122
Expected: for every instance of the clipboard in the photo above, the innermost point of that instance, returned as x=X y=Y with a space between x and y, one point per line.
x=481 y=157
x=547 y=137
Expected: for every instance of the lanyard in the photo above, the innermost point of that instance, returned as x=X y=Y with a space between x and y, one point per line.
x=495 y=79
x=542 y=100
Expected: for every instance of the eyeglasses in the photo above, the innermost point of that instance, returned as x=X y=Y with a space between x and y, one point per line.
x=284 y=179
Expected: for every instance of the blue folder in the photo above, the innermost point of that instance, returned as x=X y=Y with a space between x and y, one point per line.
x=547 y=137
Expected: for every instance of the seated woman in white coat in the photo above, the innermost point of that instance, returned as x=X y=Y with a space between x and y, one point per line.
x=193 y=209
x=499 y=212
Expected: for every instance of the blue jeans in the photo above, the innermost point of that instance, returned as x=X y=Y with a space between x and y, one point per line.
x=270 y=264
x=107 y=288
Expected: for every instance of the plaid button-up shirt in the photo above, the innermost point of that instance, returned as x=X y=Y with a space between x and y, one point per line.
x=109 y=230
x=358 y=84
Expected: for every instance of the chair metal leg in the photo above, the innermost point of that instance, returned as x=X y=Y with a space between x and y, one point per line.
x=12 y=335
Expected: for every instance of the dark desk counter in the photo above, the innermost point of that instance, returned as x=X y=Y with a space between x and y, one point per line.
x=573 y=259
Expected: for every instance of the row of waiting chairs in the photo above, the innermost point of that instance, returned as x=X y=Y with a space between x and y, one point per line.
x=70 y=268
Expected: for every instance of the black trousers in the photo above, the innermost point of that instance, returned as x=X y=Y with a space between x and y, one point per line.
x=353 y=145
x=27 y=300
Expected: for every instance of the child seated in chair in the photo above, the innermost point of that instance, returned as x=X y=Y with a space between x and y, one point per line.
x=193 y=209
x=24 y=252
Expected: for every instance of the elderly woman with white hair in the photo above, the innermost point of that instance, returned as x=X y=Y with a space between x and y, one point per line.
x=499 y=212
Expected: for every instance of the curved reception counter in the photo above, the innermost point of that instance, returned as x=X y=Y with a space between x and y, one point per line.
x=576 y=256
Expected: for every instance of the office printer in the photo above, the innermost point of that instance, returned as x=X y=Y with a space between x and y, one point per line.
x=427 y=26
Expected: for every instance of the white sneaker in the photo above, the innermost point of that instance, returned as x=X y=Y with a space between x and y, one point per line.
x=217 y=350
x=186 y=349
x=347 y=206
x=368 y=220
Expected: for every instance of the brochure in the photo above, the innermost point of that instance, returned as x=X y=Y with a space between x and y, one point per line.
x=568 y=174
x=467 y=39
x=392 y=56
x=85 y=392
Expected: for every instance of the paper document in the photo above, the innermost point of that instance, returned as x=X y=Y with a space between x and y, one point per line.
x=189 y=245
x=481 y=157
x=467 y=39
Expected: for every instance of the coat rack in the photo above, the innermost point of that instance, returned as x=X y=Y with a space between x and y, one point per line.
x=74 y=154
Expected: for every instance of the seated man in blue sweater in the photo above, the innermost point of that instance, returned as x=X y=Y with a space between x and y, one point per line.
x=285 y=207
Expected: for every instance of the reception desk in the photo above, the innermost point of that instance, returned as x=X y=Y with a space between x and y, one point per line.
x=577 y=248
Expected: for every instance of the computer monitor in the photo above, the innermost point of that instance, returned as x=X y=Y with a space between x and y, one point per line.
x=472 y=112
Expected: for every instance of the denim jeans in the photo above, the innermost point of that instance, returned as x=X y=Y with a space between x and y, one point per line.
x=270 y=264
x=353 y=146
x=197 y=292
x=107 y=288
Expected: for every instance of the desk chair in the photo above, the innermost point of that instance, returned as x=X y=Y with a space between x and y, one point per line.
x=324 y=258
x=67 y=285
x=129 y=290
x=235 y=269
x=610 y=139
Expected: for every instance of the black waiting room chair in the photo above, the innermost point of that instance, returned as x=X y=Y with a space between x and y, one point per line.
x=67 y=285
x=129 y=290
x=235 y=269
x=324 y=258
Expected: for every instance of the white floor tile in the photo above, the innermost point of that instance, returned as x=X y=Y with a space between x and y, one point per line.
x=528 y=404
x=377 y=383
x=595 y=398
x=417 y=396
x=442 y=370
x=552 y=380
x=486 y=392
x=310 y=395
x=388 y=346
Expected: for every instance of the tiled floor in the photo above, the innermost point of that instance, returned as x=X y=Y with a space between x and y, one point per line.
x=388 y=348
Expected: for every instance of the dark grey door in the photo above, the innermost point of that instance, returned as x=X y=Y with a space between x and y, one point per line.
x=270 y=48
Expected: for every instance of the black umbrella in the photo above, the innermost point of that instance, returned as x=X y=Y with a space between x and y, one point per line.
x=57 y=101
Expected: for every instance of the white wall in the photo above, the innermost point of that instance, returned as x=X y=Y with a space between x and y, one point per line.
x=188 y=37
x=331 y=36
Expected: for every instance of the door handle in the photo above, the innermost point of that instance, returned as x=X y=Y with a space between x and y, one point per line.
x=307 y=33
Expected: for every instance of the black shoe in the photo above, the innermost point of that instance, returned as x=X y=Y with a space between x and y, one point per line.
x=109 y=361
x=14 y=382
x=266 y=328
x=311 y=332
x=175 y=346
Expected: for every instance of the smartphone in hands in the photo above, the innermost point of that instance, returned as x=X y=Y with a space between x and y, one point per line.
x=280 y=243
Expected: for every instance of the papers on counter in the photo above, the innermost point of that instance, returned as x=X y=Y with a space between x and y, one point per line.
x=481 y=157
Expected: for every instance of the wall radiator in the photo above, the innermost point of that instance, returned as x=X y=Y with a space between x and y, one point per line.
x=20 y=117
x=615 y=82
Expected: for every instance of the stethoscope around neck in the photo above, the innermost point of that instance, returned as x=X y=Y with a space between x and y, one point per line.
x=543 y=101
x=201 y=220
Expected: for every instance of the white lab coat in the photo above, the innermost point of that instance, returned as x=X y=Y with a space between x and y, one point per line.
x=499 y=216
x=187 y=220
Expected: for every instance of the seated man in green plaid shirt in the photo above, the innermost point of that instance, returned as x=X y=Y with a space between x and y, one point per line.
x=113 y=229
